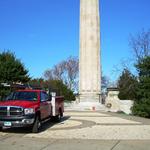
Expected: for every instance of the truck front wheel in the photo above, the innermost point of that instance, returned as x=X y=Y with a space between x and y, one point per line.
x=36 y=125
x=1 y=128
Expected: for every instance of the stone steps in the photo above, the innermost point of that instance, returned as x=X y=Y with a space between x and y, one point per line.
x=86 y=106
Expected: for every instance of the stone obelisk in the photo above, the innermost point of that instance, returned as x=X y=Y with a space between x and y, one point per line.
x=89 y=61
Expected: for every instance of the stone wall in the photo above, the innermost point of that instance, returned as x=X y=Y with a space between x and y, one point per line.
x=114 y=104
x=125 y=106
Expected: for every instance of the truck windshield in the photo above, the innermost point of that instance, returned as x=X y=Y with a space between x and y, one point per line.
x=22 y=95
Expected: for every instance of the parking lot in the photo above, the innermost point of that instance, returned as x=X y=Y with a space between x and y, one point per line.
x=83 y=130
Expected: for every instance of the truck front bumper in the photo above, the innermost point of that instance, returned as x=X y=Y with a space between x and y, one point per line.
x=23 y=121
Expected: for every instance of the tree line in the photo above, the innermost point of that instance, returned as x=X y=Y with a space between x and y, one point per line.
x=137 y=86
x=62 y=78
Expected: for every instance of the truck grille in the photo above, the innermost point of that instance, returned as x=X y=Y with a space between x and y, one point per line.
x=11 y=111
x=3 y=111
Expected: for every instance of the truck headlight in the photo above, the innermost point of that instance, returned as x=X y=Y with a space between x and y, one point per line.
x=28 y=111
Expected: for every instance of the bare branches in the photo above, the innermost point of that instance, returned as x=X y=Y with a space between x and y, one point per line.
x=140 y=44
x=66 y=71
x=72 y=70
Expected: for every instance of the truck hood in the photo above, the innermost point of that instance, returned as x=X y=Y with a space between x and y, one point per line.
x=20 y=103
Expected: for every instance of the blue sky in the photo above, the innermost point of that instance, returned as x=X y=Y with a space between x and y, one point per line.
x=44 y=32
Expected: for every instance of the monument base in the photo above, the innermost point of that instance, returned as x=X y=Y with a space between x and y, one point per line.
x=87 y=103
x=85 y=106
x=92 y=106
x=90 y=97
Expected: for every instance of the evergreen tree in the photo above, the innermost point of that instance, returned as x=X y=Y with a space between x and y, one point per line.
x=54 y=86
x=11 y=71
x=127 y=84
x=62 y=89
x=37 y=83
x=142 y=104
x=11 y=68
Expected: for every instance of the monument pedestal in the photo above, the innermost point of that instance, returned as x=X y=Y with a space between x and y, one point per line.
x=90 y=106
x=90 y=101
x=89 y=97
x=87 y=102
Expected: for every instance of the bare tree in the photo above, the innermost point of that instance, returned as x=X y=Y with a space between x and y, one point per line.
x=125 y=63
x=59 y=70
x=140 y=44
x=104 y=83
x=72 y=70
x=56 y=73
x=66 y=71
x=48 y=74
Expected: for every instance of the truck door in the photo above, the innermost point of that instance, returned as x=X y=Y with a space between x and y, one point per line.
x=45 y=106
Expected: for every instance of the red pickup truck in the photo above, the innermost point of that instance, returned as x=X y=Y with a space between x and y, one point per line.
x=28 y=108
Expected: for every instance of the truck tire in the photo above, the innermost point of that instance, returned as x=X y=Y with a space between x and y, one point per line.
x=36 y=125
x=1 y=128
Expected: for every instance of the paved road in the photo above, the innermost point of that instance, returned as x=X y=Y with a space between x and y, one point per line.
x=83 y=130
